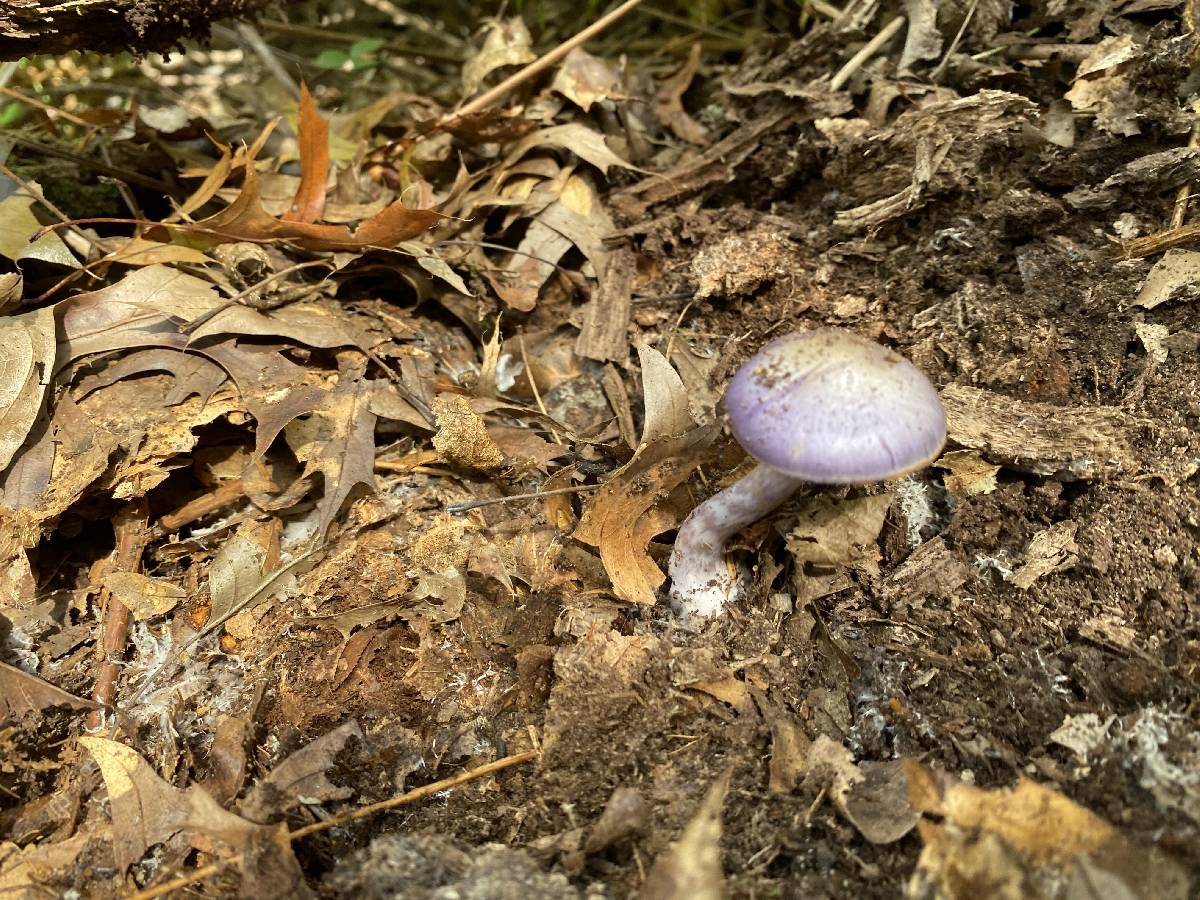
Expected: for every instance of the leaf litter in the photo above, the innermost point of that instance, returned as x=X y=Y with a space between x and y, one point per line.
x=358 y=465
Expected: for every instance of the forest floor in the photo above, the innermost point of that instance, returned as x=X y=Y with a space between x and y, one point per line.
x=245 y=590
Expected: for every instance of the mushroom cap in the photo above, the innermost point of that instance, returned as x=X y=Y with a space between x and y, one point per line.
x=831 y=407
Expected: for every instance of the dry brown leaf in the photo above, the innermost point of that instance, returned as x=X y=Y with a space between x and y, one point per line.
x=246 y=219
x=301 y=775
x=1104 y=86
x=1176 y=274
x=27 y=873
x=691 y=869
x=668 y=105
x=462 y=438
x=836 y=532
x=873 y=796
x=1050 y=550
x=628 y=510
x=585 y=79
x=22 y=693
x=576 y=137
x=138 y=311
x=1006 y=831
x=27 y=348
x=239 y=565
x=313 y=136
x=145 y=809
x=143 y=596
x=969 y=472
x=194 y=375
x=18 y=224
x=338 y=441
x=507 y=43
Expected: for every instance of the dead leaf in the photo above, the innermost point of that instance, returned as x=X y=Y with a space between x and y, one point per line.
x=836 y=532
x=585 y=79
x=628 y=510
x=462 y=438
x=301 y=777
x=144 y=597
x=1000 y=834
x=145 y=809
x=665 y=399
x=1176 y=274
x=691 y=869
x=1051 y=550
x=507 y=43
x=668 y=105
x=969 y=472
x=22 y=693
x=27 y=348
x=873 y=796
x=18 y=224
x=28 y=873
x=313 y=136
x=238 y=568
x=1104 y=86
x=576 y=137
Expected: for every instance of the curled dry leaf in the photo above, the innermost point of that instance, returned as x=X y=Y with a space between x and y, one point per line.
x=27 y=349
x=301 y=775
x=1051 y=550
x=507 y=43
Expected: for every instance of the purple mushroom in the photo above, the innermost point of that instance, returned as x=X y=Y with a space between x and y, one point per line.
x=823 y=406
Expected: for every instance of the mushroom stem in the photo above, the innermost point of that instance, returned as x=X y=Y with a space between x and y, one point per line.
x=701 y=582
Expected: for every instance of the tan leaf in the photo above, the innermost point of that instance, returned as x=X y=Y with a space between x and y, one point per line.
x=835 y=532
x=665 y=398
x=507 y=43
x=585 y=79
x=143 y=596
x=691 y=869
x=145 y=809
x=1051 y=550
x=1001 y=833
x=576 y=137
x=301 y=775
x=27 y=348
x=625 y=513
x=21 y=693
x=969 y=472
x=18 y=224
x=1176 y=274
x=462 y=438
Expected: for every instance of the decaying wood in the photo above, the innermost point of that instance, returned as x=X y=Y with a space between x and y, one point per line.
x=29 y=27
x=1068 y=442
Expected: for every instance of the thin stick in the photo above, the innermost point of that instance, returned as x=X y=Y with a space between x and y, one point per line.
x=35 y=192
x=486 y=99
x=826 y=9
x=238 y=297
x=869 y=49
x=44 y=107
x=468 y=505
x=131 y=540
x=402 y=800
